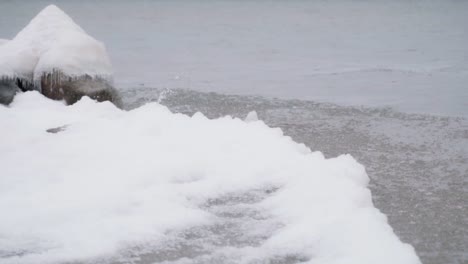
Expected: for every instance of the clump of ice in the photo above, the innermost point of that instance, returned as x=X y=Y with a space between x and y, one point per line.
x=251 y=117
x=112 y=179
x=53 y=41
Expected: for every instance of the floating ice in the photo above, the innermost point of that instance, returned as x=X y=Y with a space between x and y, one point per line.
x=113 y=180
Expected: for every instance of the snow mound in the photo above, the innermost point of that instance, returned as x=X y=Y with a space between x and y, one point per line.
x=53 y=41
x=3 y=41
x=89 y=180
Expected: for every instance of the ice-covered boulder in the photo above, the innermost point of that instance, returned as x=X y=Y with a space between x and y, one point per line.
x=54 y=55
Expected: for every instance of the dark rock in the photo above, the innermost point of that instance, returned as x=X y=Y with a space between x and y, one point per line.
x=58 y=86
x=8 y=89
x=9 y=86
x=25 y=85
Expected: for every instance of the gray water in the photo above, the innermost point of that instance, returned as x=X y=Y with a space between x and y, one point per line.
x=409 y=55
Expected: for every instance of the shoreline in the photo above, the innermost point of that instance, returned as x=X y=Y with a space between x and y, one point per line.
x=416 y=162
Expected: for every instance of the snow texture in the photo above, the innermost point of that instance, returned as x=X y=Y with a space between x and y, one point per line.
x=86 y=181
x=53 y=41
x=3 y=41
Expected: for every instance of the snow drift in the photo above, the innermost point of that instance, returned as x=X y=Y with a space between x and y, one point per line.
x=52 y=44
x=89 y=180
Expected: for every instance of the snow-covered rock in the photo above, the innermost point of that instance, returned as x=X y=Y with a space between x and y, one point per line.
x=53 y=44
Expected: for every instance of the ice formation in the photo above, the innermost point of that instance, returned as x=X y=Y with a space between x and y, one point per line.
x=86 y=181
x=251 y=117
x=52 y=44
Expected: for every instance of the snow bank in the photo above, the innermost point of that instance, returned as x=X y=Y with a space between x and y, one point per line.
x=106 y=179
x=53 y=41
x=3 y=41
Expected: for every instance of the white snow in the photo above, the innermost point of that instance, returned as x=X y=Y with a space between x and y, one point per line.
x=112 y=179
x=53 y=41
x=3 y=41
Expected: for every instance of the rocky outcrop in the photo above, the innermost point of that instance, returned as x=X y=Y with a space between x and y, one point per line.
x=55 y=56
x=10 y=86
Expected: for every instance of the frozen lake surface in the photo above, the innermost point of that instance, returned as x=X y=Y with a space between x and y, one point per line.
x=410 y=55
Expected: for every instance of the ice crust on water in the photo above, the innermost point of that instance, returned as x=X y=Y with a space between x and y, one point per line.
x=115 y=178
x=53 y=41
